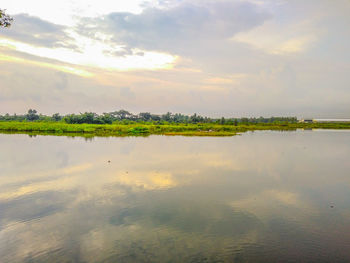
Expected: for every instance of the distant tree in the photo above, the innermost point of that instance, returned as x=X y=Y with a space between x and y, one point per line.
x=106 y=118
x=56 y=117
x=145 y=116
x=121 y=115
x=196 y=118
x=245 y=120
x=5 y=19
x=222 y=121
x=32 y=115
x=180 y=118
x=167 y=116
x=155 y=117
x=88 y=117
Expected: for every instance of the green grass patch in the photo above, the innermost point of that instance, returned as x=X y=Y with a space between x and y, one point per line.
x=137 y=129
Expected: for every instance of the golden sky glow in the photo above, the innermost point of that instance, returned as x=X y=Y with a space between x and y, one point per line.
x=67 y=69
x=92 y=56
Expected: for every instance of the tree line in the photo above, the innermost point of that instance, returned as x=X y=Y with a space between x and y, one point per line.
x=126 y=117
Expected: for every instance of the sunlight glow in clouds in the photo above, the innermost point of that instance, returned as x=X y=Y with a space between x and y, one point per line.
x=67 y=69
x=92 y=55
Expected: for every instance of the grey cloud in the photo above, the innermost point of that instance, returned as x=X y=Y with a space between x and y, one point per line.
x=126 y=51
x=186 y=26
x=33 y=30
x=123 y=52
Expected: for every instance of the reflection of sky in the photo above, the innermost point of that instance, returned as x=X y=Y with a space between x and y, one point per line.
x=259 y=196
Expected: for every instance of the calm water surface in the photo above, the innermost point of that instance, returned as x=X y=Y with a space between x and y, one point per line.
x=259 y=197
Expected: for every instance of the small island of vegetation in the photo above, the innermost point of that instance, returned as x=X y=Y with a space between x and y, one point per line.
x=124 y=123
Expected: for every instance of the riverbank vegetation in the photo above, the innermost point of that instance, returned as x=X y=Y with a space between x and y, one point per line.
x=143 y=129
x=123 y=123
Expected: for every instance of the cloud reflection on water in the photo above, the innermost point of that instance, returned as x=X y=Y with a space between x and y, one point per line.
x=184 y=199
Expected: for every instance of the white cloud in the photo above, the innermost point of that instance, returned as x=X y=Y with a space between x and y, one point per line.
x=181 y=29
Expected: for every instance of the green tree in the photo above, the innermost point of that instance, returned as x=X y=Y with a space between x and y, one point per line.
x=145 y=116
x=106 y=118
x=245 y=120
x=56 y=117
x=32 y=115
x=5 y=19
x=167 y=116
x=222 y=121
x=121 y=115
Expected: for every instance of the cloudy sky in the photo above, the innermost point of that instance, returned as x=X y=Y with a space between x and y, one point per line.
x=213 y=57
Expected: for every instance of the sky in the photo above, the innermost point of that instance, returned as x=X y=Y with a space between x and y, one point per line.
x=216 y=58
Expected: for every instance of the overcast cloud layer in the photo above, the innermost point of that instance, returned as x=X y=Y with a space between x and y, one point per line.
x=217 y=58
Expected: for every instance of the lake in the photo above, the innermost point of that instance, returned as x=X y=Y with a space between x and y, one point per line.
x=258 y=197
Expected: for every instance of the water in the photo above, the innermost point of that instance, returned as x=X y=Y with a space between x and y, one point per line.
x=259 y=197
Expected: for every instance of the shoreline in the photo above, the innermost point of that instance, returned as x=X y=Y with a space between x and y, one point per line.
x=139 y=129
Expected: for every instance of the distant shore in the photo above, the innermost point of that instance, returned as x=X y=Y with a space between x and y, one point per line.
x=91 y=130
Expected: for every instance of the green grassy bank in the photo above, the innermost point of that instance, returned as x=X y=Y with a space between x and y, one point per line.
x=61 y=128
